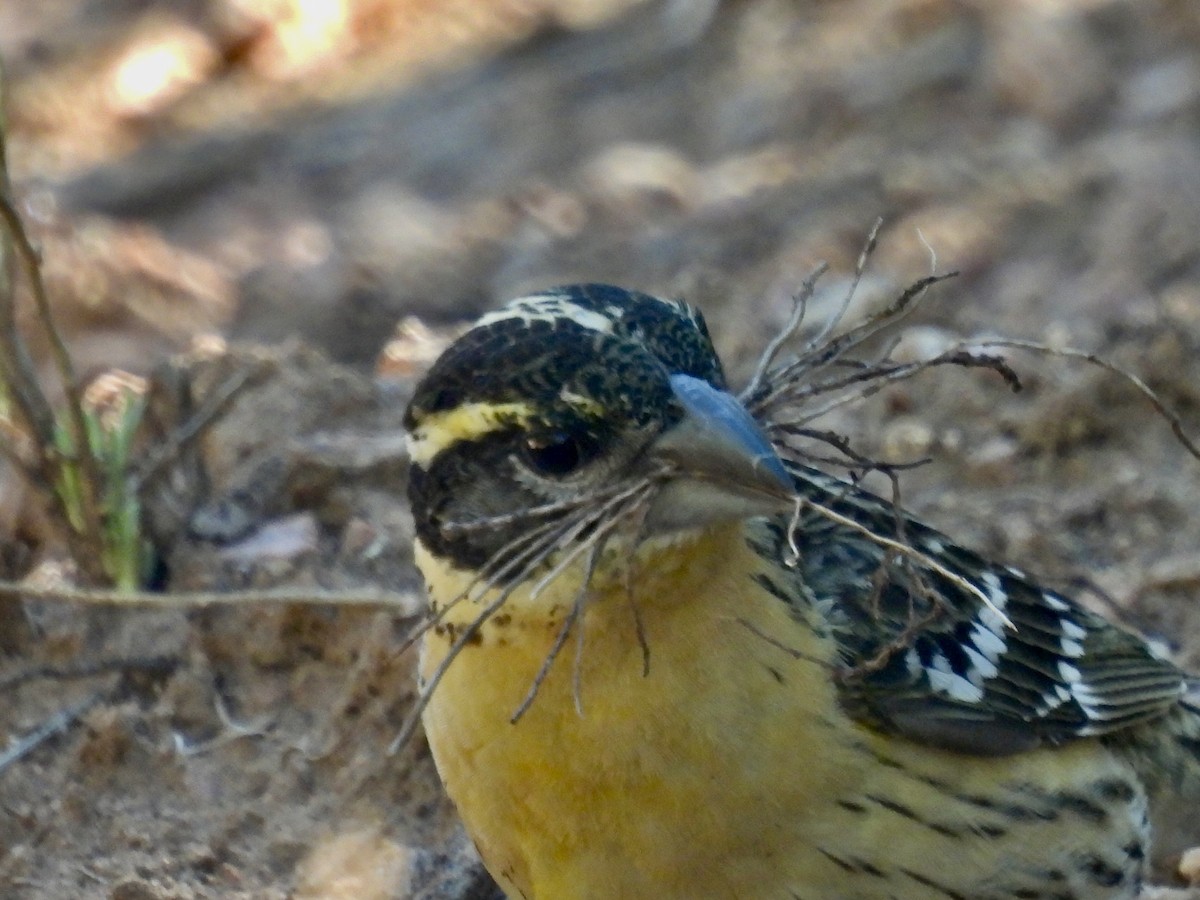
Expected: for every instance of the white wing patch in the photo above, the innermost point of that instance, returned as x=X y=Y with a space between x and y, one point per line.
x=944 y=680
x=1055 y=603
x=982 y=667
x=987 y=640
x=1072 y=638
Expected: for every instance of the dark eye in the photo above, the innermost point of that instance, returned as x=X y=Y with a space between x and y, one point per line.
x=560 y=454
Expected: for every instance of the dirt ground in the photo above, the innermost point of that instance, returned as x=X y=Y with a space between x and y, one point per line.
x=263 y=192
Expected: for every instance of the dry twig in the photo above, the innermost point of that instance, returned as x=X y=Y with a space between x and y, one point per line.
x=823 y=376
x=56 y=724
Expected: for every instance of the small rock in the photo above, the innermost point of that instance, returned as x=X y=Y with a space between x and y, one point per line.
x=284 y=538
x=359 y=865
x=134 y=889
x=907 y=439
x=992 y=462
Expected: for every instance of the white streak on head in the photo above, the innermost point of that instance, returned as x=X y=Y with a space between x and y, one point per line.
x=549 y=307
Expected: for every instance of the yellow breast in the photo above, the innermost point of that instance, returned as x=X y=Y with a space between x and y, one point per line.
x=724 y=770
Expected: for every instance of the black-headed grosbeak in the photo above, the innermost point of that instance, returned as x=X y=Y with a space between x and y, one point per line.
x=665 y=663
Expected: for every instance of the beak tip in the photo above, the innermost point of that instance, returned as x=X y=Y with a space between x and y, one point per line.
x=772 y=466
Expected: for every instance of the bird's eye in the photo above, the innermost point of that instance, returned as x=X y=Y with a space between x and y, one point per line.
x=559 y=455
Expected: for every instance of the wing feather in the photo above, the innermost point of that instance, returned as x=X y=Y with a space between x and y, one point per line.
x=924 y=657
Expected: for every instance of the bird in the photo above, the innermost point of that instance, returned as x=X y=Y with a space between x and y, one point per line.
x=666 y=659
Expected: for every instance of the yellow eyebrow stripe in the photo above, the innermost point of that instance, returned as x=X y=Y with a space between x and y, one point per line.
x=467 y=422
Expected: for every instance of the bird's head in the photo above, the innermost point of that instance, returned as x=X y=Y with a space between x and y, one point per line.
x=565 y=409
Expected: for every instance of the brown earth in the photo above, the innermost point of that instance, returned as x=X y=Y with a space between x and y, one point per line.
x=432 y=160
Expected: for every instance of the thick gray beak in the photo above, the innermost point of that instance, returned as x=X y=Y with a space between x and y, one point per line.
x=727 y=469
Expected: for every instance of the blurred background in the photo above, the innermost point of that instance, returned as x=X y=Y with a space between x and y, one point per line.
x=347 y=176
x=324 y=167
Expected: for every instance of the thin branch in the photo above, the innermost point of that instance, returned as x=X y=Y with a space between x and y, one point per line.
x=215 y=405
x=153 y=664
x=81 y=450
x=870 y=380
x=465 y=637
x=298 y=595
x=593 y=546
x=787 y=377
x=574 y=617
x=20 y=376
x=854 y=461
x=904 y=549
x=799 y=308
x=53 y=726
x=518 y=558
x=16 y=366
x=21 y=465
x=1146 y=391
x=860 y=267
x=575 y=535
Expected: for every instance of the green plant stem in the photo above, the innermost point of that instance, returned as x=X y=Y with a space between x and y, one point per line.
x=20 y=376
